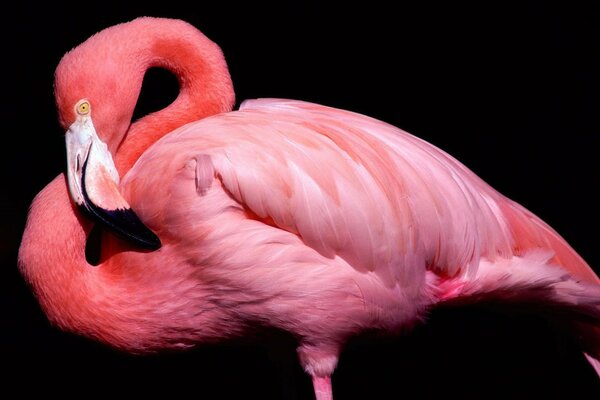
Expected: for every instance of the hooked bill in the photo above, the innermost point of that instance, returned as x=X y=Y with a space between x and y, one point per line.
x=93 y=182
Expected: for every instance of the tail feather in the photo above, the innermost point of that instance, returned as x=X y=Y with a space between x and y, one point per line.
x=528 y=279
x=532 y=281
x=589 y=337
x=594 y=362
x=530 y=233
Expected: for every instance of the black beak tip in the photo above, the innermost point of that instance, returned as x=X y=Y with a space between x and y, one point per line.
x=122 y=221
x=125 y=223
x=150 y=241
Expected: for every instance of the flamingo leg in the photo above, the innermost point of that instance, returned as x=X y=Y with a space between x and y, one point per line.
x=322 y=387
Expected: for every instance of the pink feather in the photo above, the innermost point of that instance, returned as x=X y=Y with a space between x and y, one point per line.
x=320 y=222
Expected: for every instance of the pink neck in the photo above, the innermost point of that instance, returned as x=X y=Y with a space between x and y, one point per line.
x=113 y=302
x=108 y=69
x=52 y=253
x=205 y=88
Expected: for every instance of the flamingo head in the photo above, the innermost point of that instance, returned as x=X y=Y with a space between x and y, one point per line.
x=92 y=76
x=93 y=180
x=105 y=73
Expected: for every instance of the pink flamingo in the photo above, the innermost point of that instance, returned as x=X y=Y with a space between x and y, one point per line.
x=317 y=221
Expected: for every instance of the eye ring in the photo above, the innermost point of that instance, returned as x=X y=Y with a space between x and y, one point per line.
x=83 y=107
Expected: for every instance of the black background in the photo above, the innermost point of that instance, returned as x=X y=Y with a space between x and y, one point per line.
x=510 y=90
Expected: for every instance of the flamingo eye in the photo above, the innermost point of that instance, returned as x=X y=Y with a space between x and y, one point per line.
x=83 y=107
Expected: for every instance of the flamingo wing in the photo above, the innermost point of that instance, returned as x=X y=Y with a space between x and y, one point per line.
x=357 y=188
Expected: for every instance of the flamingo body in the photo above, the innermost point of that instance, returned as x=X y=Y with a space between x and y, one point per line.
x=314 y=220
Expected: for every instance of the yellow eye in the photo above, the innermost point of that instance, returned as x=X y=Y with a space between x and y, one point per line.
x=83 y=107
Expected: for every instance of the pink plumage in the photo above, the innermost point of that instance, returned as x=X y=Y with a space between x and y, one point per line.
x=321 y=222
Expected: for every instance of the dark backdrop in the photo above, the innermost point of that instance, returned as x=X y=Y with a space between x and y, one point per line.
x=511 y=91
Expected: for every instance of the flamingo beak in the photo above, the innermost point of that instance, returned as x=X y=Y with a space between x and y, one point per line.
x=93 y=183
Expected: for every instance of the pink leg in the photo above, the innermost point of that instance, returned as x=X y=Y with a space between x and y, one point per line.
x=322 y=387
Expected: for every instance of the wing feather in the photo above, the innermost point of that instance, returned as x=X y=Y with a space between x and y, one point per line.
x=353 y=187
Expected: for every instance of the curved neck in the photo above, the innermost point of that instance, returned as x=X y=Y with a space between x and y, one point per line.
x=52 y=252
x=117 y=302
x=204 y=81
x=108 y=70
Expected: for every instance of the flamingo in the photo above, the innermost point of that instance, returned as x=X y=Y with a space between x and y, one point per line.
x=321 y=222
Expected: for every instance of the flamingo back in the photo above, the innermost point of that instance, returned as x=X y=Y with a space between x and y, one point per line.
x=354 y=187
